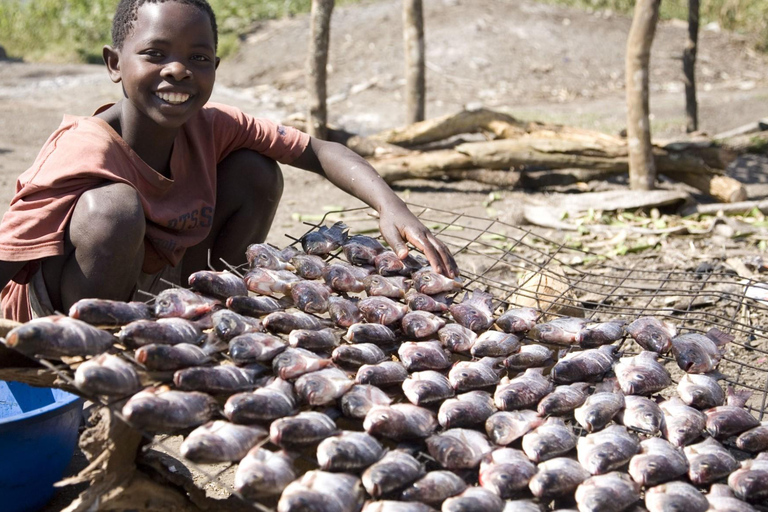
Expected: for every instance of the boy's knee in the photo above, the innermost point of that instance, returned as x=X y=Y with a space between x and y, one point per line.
x=253 y=172
x=111 y=213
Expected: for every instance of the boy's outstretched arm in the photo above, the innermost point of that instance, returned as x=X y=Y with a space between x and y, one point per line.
x=352 y=174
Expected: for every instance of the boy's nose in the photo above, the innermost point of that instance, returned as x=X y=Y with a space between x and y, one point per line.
x=176 y=70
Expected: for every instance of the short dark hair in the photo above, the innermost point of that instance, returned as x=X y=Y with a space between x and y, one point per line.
x=126 y=14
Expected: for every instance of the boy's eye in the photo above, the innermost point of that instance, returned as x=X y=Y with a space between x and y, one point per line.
x=200 y=58
x=152 y=53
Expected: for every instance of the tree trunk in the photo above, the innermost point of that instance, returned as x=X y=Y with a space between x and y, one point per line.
x=320 y=29
x=642 y=172
x=413 y=39
x=689 y=67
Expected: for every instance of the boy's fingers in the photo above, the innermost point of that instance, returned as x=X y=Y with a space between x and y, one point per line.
x=395 y=240
x=445 y=255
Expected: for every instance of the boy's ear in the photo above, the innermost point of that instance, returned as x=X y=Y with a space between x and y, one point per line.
x=112 y=60
x=218 y=61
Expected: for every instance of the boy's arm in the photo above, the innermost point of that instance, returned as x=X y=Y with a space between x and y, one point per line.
x=352 y=174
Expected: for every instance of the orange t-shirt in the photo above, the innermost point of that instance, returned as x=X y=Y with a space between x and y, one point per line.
x=85 y=151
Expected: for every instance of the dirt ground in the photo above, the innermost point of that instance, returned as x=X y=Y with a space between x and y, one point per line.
x=532 y=60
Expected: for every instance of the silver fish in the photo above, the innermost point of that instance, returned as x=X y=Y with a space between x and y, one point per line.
x=216 y=379
x=343 y=277
x=263 y=473
x=469 y=375
x=322 y=386
x=421 y=324
x=696 y=353
x=358 y=355
x=370 y=333
x=731 y=419
x=603 y=333
x=325 y=240
x=423 y=355
x=722 y=499
x=518 y=320
x=474 y=499
x=641 y=414
x=427 y=387
x=253 y=306
x=310 y=296
x=475 y=311
x=228 y=324
x=108 y=313
x=184 y=303
x=523 y=391
x=388 y=263
x=386 y=373
x=396 y=469
x=160 y=358
x=343 y=312
x=557 y=477
x=165 y=331
x=529 y=356
x=505 y=472
x=306 y=428
x=750 y=482
x=283 y=322
x=600 y=408
x=551 y=439
x=754 y=440
x=587 y=365
x=382 y=310
x=658 y=461
x=295 y=362
x=520 y=505
x=505 y=427
x=309 y=266
x=400 y=421
x=55 y=336
x=220 y=441
x=362 y=250
x=560 y=331
x=652 y=334
x=642 y=374
x=107 y=375
x=266 y=256
x=348 y=451
x=360 y=398
x=709 y=461
x=458 y=448
x=563 y=399
x=422 y=302
x=396 y=506
x=267 y=403
x=255 y=347
x=611 y=492
x=682 y=424
x=495 y=344
x=700 y=391
x=269 y=282
x=165 y=410
x=431 y=283
x=322 y=491
x=675 y=496
x=323 y=340
x=606 y=450
x=392 y=287
x=466 y=410
x=457 y=338
x=220 y=285
x=434 y=488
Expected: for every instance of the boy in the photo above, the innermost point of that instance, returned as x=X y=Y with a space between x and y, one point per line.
x=148 y=185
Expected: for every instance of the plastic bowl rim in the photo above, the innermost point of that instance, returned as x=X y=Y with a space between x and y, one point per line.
x=43 y=413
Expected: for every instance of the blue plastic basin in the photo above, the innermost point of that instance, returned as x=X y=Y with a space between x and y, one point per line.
x=38 y=433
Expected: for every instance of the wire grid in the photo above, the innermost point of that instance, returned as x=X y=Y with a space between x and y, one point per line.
x=507 y=261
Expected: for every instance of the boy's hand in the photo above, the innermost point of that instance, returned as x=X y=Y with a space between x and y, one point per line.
x=399 y=226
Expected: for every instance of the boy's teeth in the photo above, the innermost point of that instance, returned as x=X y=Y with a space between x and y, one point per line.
x=173 y=97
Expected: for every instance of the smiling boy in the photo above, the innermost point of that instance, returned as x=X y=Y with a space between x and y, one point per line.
x=147 y=186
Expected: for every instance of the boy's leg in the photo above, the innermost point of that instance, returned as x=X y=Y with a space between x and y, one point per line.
x=103 y=248
x=249 y=187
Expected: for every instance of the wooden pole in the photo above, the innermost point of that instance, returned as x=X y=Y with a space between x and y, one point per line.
x=320 y=30
x=689 y=67
x=642 y=171
x=413 y=38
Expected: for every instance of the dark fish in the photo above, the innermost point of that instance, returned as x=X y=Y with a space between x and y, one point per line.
x=551 y=439
x=423 y=355
x=323 y=340
x=321 y=491
x=348 y=451
x=560 y=331
x=495 y=344
x=458 y=448
x=108 y=313
x=361 y=249
x=392 y=287
x=563 y=399
x=675 y=496
x=400 y=421
x=518 y=320
x=641 y=414
x=469 y=375
x=306 y=428
x=603 y=333
x=506 y=472
x=266 y=256
x=263 y=473
x=269 y=282
x=283 y=322
x=382 y=310
x=642 y=374
x=422 y=302
x=164 y=410
x=310 y=296
x=255 y=347
x=343 y=312
x=457 y=338
x=600 y=408
x=275 y=400
x=505 y=427
x=370 y=333
x=228 y=324
x=162 y=358
x=652 y=334
x=466 y=410
x=360 y=398
x=220 y=285
x=658 y=461
x=309 y=266
x=358 y=355
x=388 y=263
x=606 y=450
x=709 y=461
x=325 y=240
x=295 y=362
x=750 y=482
x=427 y=387
x=731 y=419
x=55 y=336
x=343 y=277
x=474 y=499
x=164 y=331
x=421 y=324
x=611 y=492
x=107 y=375
x=429 y=282
x=696 y=353
x=700 y=391
x=396 y=506
x=434 y=488
x=396 y=469
x=557 y=477
x=322 y=386
x=475 y=311
x=216 y=379
x=386 y=373
x=183 y=303
x=253 y=306
x=523 y=391
x=529 y=356
x=754 y=440
x=585 y=366
x=220 y=441
x=682 y=424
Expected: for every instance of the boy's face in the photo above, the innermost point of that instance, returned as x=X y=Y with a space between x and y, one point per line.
x=167 y=64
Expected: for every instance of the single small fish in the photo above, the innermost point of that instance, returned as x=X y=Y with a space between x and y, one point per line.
x=601 y=407
x=396 y=506
x=421 y=324
x=217 y=379
x=395 y=470
x=682 y=424
x=348 y=451
x=269 y=282
x=521 y=505
x=475 y=311
x=722 y=499
x=560 y=331
x=458 y=448
x=551 y=439
x=343 y=312
x=652 y=334
x=700 y=391
x=457 y=338
x=323 y=340
x=400 y=421
x=358 y=355
x=370 y=333
x=165 y=410
x=505 y=472
x=162 y=358
x=263 y=473
x=423 y=355
x=474 y=499
x=388 y=263
x=386 y=373
x=495 y=344
x=466 y=410
x=530 y=356
x=164 y=331
x=675 y=496
x=360 y=399
x=750 y=482
x=392 y=287
x=606 y=450
x=322 y=491
x=283 y=322
x=295 y=362
x=325 y=240
x=641 y=414
x=658 y=461
x=564 y=399
x=607 y=493
x=362 y=249
x=253 y=306
x=343 y=277
x=306 y=428
x=469 y=375
x=183 y=303
x=255 y=347
x=270 y=402
x=220 y=441
x=266 y=256
x=696 y=353
x=109 y=313
x=589 y=365
x=382 y=310
x=505 y=427
x=322 y=386
x=228 y=324
x=434 y=488
x=309 y=266
x=431 y=283
x=107 y=375
x=220 y=285
x=754 y=440
x=310 y=296
x=642 y=374
x=557 y=477
x=52 y=337
x=603 y=333
x=709 y=461
x=427 y=387
x=418 y=301
x=518 y=320
x=731 y=419
x=523 y=391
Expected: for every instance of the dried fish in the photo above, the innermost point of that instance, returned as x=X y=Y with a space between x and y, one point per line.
x=228 y=324
x=523 y=391
x=221 y=441
x=348 y=451
x=469 y=375
x=310 y=296
x=603 y=333
x=220 y=285
x=382 y=310
x=429 y=282
x=396 y=506
x=557 y=477
x=506 y=472
x=606 y=450
x=434 y=488
x=421 y=324
x=270 y=402
x=253 y=306
x=641 y=414
x=295 y=362
x=343 y=312
x=754 y=440
x=551 y=439
x=495 y=344
x=563 y=399
x=183 y=303
x=529 y=356
x=466 y=410
x=457 y=338
x=612 y=492
x=427 y=387
x=709 y=461
x=283 y=322
x=322 y=491
x=108 y=313
x=750 y=482
x=266 y=256
x=386 y=373
x=160 y=358
x=731 y=419
x=323 y=340
x=475 y=311
x=370 y=333
x=642 y=374
x=55 y=336
x=400 y=421
x=518 y=320
x=474 y=499
x=388 y=263
x=255 y=347
x=361 y=249
x=505 y=427
x=343 y=277
x=165 y=410
x=263 y=473
x=360 y=399
x=322 y=386
x=396 y=469
x=306 y=428
x=325 y=240
x=682 y=424
x=309 y=266
x=392 y=287
x=164 y=331
x=422 y=302
x=269 y=282
x=658 y=461
x=588 y=365
x=458 y=448
x=722 y=499
x=701 y=391
x=560 y=331
x=358 y=355
x=216 y=379
x=652 y=334
x=107 y=375
x=675 y=496
x=600 y=408
x=696 y=353
x=423 y=355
